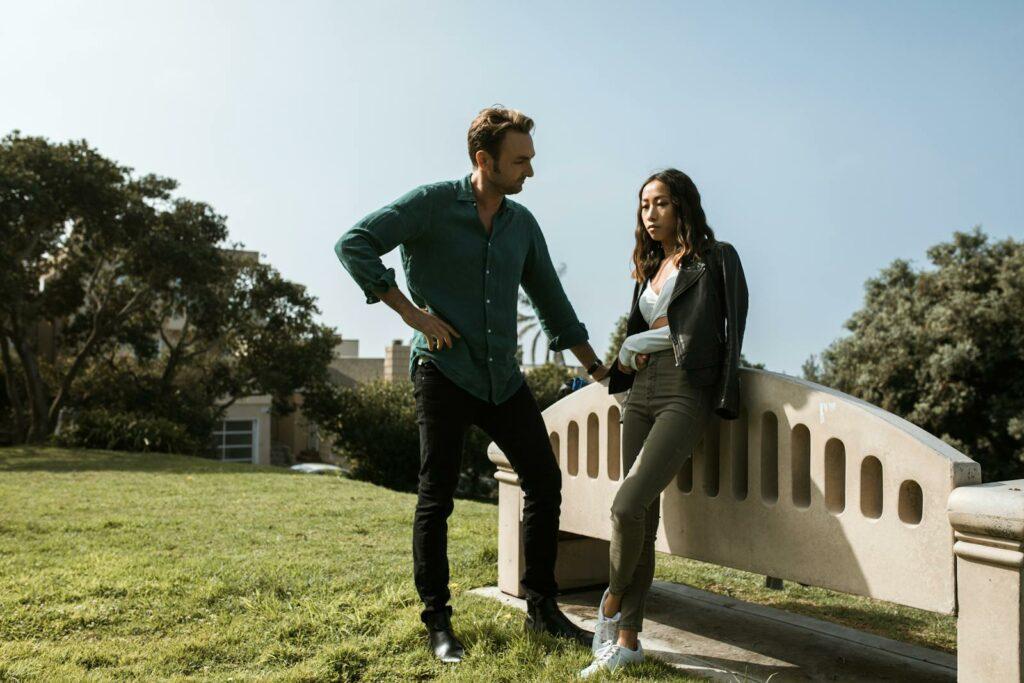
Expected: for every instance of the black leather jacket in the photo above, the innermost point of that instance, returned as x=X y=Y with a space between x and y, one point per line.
x=706 y=316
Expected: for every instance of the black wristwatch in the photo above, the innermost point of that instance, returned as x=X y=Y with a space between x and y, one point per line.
x=594 y=366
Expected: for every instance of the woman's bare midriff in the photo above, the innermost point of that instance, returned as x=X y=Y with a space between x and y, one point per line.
x=660 y=322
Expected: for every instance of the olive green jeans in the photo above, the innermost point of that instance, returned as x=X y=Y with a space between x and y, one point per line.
x=663 y=419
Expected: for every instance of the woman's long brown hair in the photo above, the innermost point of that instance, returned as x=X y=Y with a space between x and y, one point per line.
x=693 y=233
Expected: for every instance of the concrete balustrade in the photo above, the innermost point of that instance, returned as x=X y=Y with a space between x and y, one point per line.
x=989 y=531
x=809 y=485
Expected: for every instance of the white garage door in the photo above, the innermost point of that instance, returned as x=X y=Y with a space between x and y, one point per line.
x=236 y=440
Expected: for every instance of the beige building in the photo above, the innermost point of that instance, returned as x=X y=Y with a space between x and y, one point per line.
x=348 y=369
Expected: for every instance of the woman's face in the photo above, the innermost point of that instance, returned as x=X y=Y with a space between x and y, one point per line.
x=657 y=211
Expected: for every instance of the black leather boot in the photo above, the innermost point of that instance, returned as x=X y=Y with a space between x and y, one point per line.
x=440 y=639
x=543 y=616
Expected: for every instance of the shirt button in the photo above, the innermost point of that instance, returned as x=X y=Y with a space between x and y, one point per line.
x=488 y=301
x=488 y=330
x=490 y=359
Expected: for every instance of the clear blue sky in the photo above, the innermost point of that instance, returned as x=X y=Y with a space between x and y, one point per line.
x=827 y=139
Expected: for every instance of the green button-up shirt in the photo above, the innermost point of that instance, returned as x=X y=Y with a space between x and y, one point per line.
x=466 y=278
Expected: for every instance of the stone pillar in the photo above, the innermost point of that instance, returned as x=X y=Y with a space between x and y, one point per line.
x=582 y=561
x=396 y=362
x=511 y=562
x=988 y=523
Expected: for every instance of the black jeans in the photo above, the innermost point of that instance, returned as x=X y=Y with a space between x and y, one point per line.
x=444 y=412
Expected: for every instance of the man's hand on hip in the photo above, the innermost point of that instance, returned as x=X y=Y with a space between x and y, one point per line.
x=438 y=333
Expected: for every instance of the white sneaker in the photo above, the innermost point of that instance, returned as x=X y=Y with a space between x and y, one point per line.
x=612 y=657
x=607 y=630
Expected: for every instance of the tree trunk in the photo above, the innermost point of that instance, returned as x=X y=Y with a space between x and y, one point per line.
x=69 y=377
x=39 y=427
x=11 y=385
x=173 y=357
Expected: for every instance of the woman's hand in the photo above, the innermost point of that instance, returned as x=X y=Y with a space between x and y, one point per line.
x=624 y=368
x=641 y=360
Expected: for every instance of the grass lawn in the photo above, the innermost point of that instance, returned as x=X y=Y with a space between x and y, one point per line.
x=165 y=567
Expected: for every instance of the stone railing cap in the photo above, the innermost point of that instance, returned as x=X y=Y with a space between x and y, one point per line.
x=995 y=509
x=495 y=455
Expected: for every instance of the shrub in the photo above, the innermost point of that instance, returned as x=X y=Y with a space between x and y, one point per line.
x=374 y=424
x=100 y=428
x=546 y=381
x=378 y=432
x=376 y=427
x=130 y=389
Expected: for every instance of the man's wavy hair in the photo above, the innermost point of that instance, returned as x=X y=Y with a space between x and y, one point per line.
x=693 y=234
x=490 y=126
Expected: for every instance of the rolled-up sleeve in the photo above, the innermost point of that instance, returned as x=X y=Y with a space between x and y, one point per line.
x=360 y=249
x=541 y=284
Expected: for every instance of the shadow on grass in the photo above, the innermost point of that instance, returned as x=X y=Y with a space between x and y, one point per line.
x=51 y=459
x=55 y=460
x=901 y=626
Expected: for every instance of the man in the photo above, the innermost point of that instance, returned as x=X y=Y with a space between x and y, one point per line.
x=466 y=249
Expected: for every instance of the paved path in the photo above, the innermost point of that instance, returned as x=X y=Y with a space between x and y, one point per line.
x=722 y=638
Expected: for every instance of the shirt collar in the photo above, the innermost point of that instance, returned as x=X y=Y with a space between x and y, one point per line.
x=464 y=189
x=464 y=193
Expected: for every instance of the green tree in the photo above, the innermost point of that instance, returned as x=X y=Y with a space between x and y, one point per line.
x=92 y=232
x=744 y=363
x=942 y=347
x=118 y=256
x=615 y=341
x=252 y=333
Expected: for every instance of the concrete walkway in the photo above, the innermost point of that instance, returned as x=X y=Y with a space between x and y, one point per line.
x=725 y=639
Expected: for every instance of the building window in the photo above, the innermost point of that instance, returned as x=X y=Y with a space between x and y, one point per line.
x=236 y=440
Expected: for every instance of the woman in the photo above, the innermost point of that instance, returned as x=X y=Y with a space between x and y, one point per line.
x=680 y=361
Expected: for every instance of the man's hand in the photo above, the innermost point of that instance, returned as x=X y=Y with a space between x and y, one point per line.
x=438 y=333
x=624 y=368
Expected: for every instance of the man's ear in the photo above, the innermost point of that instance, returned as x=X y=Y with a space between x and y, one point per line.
x=484 y=161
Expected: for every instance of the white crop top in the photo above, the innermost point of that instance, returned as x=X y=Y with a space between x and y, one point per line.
x=652 y=306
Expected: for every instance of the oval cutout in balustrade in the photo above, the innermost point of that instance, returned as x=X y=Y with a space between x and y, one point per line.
x=711 y=457
x=593 y=446
x=684 y=480
x=835 y=476
x=769 y=458
x=738 y=452
x=572 y=457
x=555 y=447
x=800 y=465
x=871 y=487
x=614 y=444
x=911 y=502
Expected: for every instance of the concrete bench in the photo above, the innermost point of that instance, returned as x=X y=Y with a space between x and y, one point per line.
x=809 y=485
